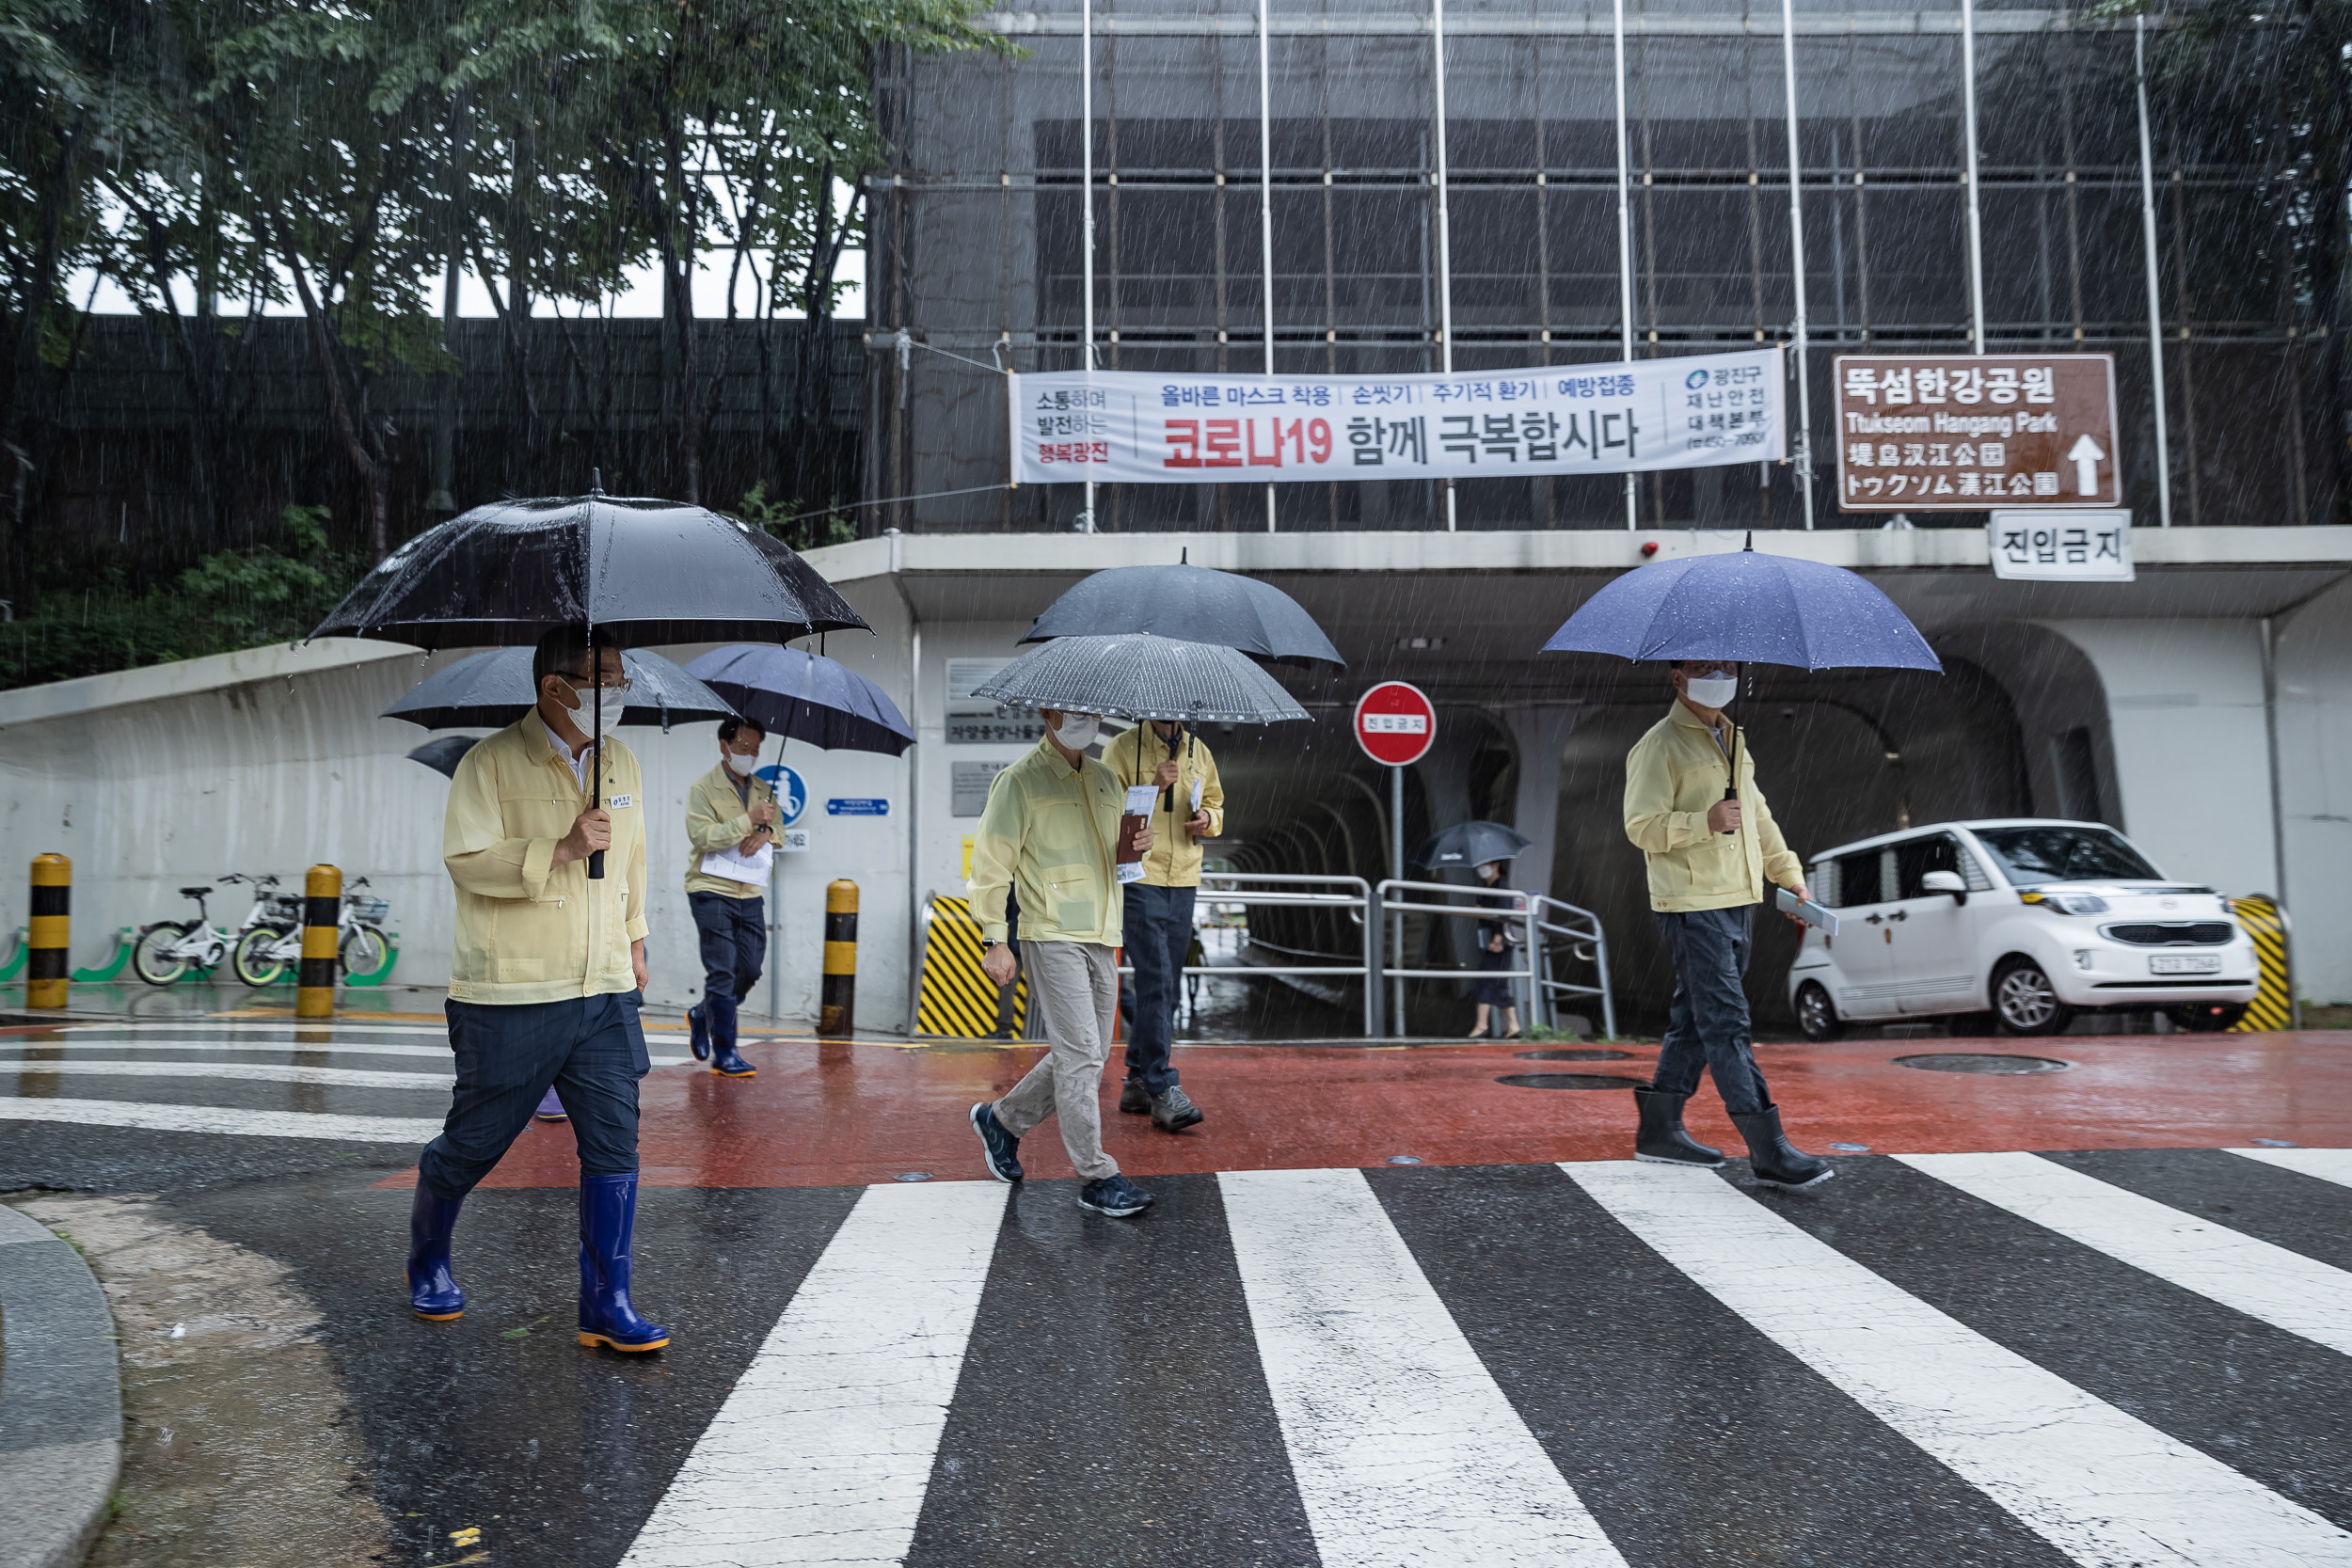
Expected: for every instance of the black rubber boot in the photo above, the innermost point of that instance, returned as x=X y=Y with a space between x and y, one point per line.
x=1777 y=1161
x=1660 y=1139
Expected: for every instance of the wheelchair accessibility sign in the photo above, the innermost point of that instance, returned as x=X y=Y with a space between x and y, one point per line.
x=791 y=793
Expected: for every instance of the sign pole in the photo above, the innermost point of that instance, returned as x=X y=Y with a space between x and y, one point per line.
x=1395 y=944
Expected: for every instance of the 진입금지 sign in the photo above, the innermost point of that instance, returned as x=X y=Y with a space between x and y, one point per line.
x=1133 y=427
x=2062 y=546
x=1966 y=432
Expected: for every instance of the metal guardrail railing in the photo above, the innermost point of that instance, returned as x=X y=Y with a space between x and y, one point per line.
x=1587 y=944
x=1297 y=890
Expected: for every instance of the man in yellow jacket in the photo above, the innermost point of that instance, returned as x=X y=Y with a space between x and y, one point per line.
x=1050 y=831
x=730 y=836
x=1711 y=846
x=1189 y=807
x=548 y=972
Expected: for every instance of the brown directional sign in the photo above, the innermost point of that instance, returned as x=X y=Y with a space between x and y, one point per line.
x=1968 y=433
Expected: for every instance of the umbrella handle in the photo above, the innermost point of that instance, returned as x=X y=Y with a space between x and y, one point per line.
x=596 y=784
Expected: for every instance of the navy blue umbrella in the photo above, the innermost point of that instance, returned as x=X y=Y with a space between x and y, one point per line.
x=802 y=696
x=1749 y=605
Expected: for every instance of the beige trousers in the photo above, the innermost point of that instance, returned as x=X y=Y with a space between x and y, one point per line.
x=1073 y=995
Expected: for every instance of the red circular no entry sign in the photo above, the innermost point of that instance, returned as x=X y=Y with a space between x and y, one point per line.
x=1395 y=723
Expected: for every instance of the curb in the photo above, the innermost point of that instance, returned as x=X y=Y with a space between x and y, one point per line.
x=60 y=1399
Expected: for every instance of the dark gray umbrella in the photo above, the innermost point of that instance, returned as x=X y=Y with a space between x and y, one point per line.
x=797 y=695
x=493 y=689
x=1192 y=603
x=443 y=755
x=1471 y=843
x=1138 y=675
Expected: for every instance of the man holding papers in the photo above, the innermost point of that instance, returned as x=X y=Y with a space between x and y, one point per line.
x=1712 y=844
x=1058 y=828
x=731 y=828
x=1187 y=806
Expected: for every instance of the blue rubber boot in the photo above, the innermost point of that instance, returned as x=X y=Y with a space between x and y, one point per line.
x=697 y=1034
x=724 y=1060
x=608 y=1221
x=550 y=1108
x=432 y=1295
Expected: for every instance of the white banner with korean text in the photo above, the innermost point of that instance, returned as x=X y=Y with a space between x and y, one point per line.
x=1136 y=428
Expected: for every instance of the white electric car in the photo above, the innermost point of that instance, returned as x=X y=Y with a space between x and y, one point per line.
x=2020 y=922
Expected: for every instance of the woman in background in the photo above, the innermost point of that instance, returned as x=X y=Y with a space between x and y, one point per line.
x=1492 y=992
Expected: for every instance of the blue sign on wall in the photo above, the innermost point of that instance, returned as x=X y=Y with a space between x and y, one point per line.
x=791 y=793
x=839 y=807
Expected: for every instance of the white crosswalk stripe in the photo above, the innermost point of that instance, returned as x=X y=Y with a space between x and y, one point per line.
x=429 y=1052
x=227 y=1120
x=1404 y=1449
x=2328 y=1165
x=2283 y=1288
x=822 y=1451
x=2100 y=1485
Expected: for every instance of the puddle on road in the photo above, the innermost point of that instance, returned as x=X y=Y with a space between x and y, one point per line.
x=238 y=1444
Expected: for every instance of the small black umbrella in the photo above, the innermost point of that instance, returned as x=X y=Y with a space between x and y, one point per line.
x=796 y=695
x=631 y=570
x=1192 y=603
x=493 y=689
x=443 y=755
x=1471 y=843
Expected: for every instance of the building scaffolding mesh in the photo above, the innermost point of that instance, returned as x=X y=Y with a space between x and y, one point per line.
x=1253 y=135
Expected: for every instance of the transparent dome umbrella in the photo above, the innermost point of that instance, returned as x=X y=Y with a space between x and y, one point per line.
x=493 y=689
x=629 y=569
x=1138 y=675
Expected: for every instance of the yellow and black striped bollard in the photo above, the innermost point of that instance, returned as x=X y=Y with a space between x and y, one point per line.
x=837 y=1004
x=2273 y=1006
x=53 y=902
x=322 y=920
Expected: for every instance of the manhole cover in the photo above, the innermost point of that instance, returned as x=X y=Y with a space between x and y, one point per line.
x=1568 y=1081
x=1589 y=1055
x=1965 y=1061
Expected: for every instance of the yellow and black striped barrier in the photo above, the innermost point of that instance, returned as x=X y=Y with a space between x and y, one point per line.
x=53 y=905
x=322 y=920
x=957 y=1001
x=836 y=1001
x=2273 y=1006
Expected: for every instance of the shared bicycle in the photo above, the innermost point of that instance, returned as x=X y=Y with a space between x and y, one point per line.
x=267 y=943
x=266 y=952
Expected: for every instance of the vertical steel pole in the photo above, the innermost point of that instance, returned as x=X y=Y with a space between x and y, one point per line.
x=1796 y=260
x=1445 y=231
x=1976 y=217
x=1086 y=179
x=1624 y=243
x=2148 y=246
x=1265 y=207
x=1395 y=946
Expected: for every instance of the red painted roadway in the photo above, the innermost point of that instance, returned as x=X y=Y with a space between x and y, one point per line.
x=834 y=1113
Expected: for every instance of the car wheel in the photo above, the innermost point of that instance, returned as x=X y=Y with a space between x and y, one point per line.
x=2025 y=1001
x=148 y=960
x=2209 y=1017
x=1816 y=1015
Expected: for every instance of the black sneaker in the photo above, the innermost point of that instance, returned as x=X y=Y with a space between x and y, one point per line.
x=998 y=1147
x=1115 y=1196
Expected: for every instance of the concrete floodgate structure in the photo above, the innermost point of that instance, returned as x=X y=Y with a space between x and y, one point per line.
x=2202 y=709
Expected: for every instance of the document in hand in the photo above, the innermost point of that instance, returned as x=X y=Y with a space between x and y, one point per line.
x=1140 y=799
x=740 y=868
x=1806 y=910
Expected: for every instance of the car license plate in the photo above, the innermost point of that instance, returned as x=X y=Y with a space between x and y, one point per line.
x=2185 y=963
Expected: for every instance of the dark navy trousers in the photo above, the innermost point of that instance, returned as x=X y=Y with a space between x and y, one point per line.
x=1708 y=1025
x=733 y=937
x=590 y=1048
x=1158 y=935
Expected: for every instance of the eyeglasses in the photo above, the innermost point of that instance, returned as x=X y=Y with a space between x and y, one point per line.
x=618 y=685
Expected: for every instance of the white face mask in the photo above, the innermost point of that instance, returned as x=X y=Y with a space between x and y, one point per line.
x=1717 y=691
x=742 y=766
x=1078 y=730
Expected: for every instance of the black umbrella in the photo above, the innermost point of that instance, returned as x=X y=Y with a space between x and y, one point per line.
x=797 y=695
x=1471 y=843
x=442 y=755
x=631 y=570
x=493 y=689
x=1192 y=603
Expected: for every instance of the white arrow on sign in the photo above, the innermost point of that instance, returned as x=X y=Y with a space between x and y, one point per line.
x=2085 y=455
